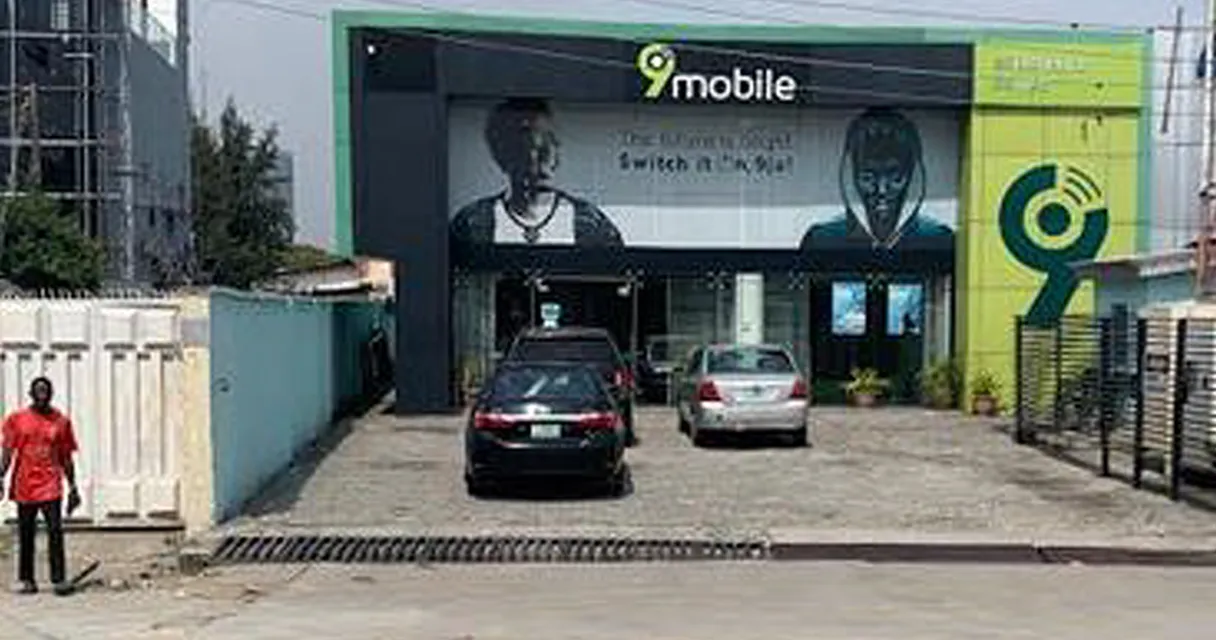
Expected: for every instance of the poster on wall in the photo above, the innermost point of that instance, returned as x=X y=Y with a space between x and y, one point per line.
x=905 y=309
x=849 y=308
x=526 y=172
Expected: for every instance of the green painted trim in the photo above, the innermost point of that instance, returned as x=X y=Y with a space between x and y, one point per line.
x=1144 y=177
x=343 y=21
x=340 y=74
x=802 y=33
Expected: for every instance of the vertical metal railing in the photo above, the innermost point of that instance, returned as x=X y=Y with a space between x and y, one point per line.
x=1138 y=432
x=1126 y=403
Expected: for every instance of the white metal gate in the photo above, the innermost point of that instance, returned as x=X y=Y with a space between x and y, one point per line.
x=117 y=370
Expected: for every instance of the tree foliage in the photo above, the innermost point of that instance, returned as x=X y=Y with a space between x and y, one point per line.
x=44 y=249
x=304 y=257
x=241 y=226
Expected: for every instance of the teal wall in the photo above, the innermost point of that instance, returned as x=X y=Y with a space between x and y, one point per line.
x=280 y=371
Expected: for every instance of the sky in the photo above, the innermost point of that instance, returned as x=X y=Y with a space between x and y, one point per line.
x=272 y=57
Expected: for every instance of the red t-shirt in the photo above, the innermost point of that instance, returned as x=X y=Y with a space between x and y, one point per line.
x=39 y=442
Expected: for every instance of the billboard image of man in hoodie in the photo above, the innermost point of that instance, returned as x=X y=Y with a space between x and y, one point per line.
x=882 y=183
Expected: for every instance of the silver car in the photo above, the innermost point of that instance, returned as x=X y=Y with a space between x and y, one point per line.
x=731 y=388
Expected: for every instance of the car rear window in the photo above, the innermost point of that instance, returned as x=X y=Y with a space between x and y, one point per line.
x=520 y=383
x=591 y=351
x=749 y=360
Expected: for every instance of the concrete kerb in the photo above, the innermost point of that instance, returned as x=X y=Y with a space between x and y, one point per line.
x=792 y=545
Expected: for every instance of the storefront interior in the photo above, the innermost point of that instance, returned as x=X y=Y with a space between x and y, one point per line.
x=831 y=323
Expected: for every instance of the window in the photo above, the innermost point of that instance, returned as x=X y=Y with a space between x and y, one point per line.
x=61 y=15
x=590 y=351
x=905 y=309
x=545 y=382
x=849 y=308
x=749 y=360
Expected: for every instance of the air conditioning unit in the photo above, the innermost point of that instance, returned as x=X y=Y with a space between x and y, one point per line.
x=1161 y=371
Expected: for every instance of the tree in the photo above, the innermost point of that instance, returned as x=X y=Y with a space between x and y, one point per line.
x=241 y=226
x=44 y=249
x=303 y=257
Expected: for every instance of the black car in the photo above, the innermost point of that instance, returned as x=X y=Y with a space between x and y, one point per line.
x=536 y=420
x=594 y=347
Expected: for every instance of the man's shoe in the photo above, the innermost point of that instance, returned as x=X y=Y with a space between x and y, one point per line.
x=63 y=588
x=25 y=588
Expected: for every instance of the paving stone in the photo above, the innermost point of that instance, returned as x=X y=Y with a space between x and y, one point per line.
x=891 y=471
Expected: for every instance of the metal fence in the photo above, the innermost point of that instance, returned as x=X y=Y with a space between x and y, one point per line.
x=1104 y=392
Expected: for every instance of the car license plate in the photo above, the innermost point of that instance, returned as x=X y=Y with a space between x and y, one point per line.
x=546 y=431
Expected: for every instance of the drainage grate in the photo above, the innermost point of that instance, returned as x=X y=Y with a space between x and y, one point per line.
x=394 y=549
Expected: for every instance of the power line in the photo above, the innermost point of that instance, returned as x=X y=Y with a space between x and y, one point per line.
x=1058 y=47
x=765 y=56
x=766 y=21
x=943 y=15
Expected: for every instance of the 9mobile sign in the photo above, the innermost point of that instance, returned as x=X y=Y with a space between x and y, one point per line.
x=657 y=63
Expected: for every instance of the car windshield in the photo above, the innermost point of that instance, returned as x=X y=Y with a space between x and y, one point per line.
x=598 y=352
x=544 y=382
x=749 y=360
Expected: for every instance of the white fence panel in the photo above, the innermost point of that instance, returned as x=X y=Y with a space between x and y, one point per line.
x=117 y=370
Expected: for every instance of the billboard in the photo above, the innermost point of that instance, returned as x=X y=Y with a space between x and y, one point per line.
x=534 y=173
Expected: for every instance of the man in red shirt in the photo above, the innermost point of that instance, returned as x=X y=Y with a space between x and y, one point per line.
x=39 y=440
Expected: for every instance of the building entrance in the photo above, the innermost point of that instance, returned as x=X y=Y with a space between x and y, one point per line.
x=630 y=309
x=867 y=322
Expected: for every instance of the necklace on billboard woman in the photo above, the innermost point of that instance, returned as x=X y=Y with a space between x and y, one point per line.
x=531 y=230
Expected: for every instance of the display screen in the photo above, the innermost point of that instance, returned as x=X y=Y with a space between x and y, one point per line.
x=905 y=309
x=849 y=308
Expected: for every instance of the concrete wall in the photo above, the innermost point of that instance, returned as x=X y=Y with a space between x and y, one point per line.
x=267 y=375
x=272 y=388
x=281 y=370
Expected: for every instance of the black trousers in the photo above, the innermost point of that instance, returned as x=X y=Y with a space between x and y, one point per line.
x=27 y=530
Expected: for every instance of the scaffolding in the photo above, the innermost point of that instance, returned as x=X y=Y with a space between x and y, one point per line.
x=66 y=129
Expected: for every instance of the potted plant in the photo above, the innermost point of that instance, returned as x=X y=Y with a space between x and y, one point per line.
x=939 y=384
x=985 y=392
x=865 y=387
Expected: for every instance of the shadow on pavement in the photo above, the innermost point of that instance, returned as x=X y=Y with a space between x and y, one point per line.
x=549 y=490
x=282 y=491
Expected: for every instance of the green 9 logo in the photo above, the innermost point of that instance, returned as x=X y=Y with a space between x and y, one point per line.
x=1053 y=219
x=656 y=62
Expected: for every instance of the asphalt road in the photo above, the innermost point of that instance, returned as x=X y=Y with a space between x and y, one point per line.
x=888 y=473
x=693 y=601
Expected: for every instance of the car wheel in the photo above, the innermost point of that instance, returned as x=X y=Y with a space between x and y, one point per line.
x=477 y=487
x=631 y=436
x=699 y=438
x=683 y=424
x=798 y=438
x=618 y=483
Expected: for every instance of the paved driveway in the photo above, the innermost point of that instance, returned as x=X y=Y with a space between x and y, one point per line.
x=889 y=473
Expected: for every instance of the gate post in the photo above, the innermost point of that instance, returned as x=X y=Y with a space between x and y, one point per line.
x=1138 y=429
x=1019 y=363
x=1181 y=389
x=1105 y=394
